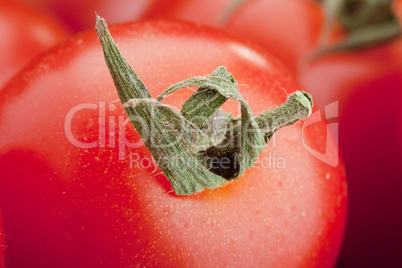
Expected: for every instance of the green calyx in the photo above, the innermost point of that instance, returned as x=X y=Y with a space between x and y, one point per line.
x=359 y=14
x=201 y=146
x=366 y=22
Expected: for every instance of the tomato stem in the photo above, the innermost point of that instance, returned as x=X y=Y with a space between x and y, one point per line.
x=229 y=11
x=366 y=22
x=191 y=146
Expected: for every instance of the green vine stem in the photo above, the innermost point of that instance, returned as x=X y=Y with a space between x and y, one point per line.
x=366 y=22
x=185 y=144
x=229 y=11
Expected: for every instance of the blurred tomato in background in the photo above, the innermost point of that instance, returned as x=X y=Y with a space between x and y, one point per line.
x=367 y=87
x=79 y=14
x=366 y=84
x=25 y=32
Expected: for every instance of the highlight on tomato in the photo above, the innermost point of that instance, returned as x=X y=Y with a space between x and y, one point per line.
x=26 y=32
x=80 y=188
x=288 y=29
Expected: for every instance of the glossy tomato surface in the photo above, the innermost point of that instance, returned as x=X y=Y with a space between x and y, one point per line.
x=73 y=194
x=78 y=14
x=25 y=32
x=288 y=29
x=2 y=245
x=367 y=86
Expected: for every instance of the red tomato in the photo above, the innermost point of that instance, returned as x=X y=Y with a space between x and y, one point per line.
x=286 y=28
x=108 y=204
x=79 y=14
x=367 y=85
x=26 y=32
x=2 y=245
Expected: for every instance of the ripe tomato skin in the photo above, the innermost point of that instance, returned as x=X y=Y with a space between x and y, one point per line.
x=2 y=245
x=367 y=84
x=83 y=207
x=78 y=15
x=288 y=29
x=26 y=32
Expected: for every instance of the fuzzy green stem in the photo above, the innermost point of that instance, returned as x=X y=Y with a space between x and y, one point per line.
x=184 y=143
